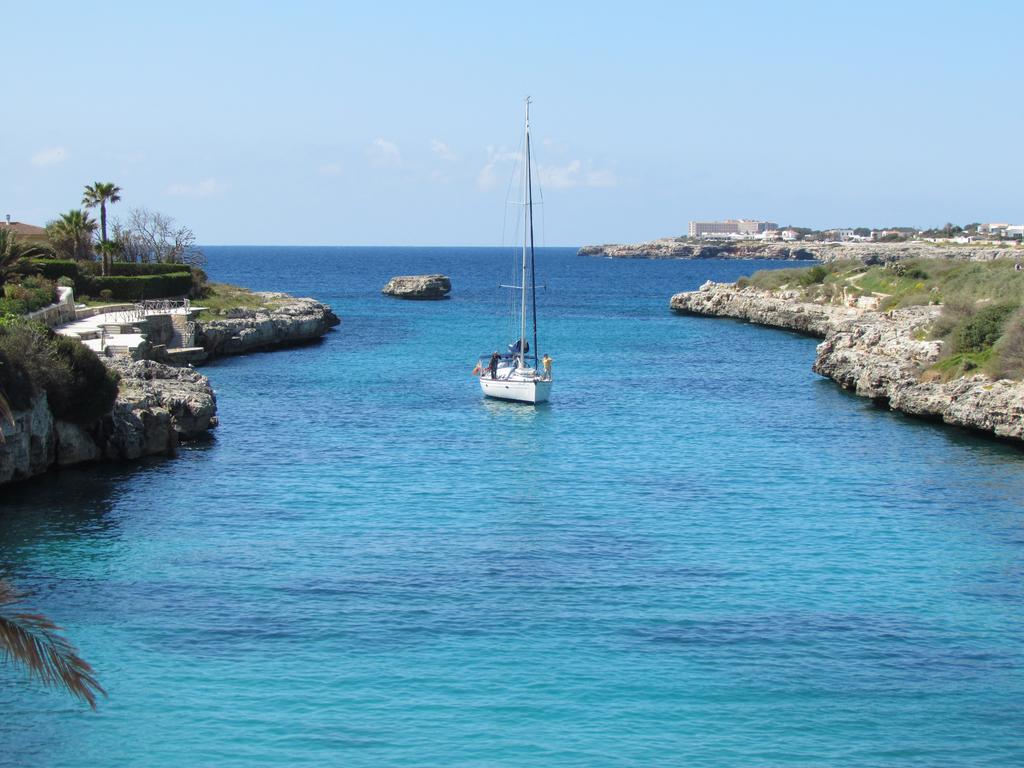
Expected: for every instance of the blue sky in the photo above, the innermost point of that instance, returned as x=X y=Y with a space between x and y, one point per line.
x=392 y=123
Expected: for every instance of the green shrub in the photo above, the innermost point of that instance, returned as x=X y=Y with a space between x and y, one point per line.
x=56 y=268
x=65 y=282
x=10 y=307
x=980 y=332
x=33 y=359
x=88 y=389
x=124 y=288
x=812 y=276
x=106 y=294
x=31 y=293
x=129 y=269
x=200 y=289
x=953 y=314
x=1008 y=362
x=29 y=362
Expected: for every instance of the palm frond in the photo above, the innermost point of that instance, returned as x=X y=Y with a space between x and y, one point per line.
x=5 y=415
x=34 y=641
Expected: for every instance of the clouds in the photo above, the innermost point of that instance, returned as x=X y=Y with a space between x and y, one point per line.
x=384 y=152
x=442 y=150
x=570 y=175
x=574 y=174
x=488 y=177
x=50 y=156
x=206 y=188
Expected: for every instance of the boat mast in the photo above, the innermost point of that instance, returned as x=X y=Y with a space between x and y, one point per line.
x=529 y=210
x=526 y=235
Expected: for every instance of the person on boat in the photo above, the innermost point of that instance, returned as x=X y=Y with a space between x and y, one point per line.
x=494 y=364
x=546 y=361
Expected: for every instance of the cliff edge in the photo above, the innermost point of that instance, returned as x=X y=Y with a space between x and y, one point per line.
x=881 y=355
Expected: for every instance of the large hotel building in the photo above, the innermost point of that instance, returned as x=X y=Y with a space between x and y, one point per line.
x=730 y=227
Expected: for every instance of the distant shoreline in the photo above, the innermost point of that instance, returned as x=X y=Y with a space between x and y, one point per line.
x=683 y=248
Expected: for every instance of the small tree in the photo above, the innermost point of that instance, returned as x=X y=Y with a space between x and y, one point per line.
x=149 y=236
x=71 y=234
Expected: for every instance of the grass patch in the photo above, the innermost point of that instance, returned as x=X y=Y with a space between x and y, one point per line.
x=906 y=283
x=982 y=322
x=221 y=297
x=963 y=364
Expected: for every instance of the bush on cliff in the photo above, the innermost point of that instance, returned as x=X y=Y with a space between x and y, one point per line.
x=981 y=330
x=33 y=359
x=1009 y=358
x=812 y=275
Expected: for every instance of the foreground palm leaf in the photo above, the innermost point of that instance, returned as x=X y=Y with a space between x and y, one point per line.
x=5 y=415
x=33 y=640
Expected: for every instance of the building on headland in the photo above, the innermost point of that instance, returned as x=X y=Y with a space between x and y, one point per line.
x=789 y=235
x=994 y=228
x=27 y=233
x=730 y=227
x=840 y=234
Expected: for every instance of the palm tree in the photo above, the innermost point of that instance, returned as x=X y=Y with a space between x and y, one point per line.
x=34 y=641
x=71 y=234
x=100 y=193
x=13 y=249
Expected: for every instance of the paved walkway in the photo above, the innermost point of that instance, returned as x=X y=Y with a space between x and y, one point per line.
x=120 y=331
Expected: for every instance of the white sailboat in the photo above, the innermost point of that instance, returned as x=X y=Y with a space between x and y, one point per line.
x=520 y=374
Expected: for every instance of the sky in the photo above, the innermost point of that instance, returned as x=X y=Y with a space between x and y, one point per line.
x=330 y=123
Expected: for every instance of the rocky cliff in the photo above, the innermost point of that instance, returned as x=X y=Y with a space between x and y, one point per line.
x=243 y=330
x=878 y=355
x=682 y=248
x=418 y=287
x=157 y=405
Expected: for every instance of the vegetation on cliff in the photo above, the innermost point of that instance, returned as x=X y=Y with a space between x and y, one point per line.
x=982 y=320
x=33 y=360
x=219 y=299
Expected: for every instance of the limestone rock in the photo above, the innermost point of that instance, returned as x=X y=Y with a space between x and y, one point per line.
x=157 y=405
x=28 y=448
x=162 y=397
x=870 y=253
x=880 y=355
x=418 y=286
x=247 y=330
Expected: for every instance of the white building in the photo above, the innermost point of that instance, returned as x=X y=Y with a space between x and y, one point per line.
x=994 y=228
x=841 y=234
x=730 y=227
x=790 y=235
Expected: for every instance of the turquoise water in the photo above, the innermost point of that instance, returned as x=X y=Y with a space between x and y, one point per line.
x=698 y=554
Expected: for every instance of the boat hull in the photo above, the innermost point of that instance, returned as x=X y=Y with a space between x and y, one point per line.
x=520 y=391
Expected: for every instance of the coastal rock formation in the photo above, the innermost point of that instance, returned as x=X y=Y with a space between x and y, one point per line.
x=871 y=253
x=157 y=405
x=779 y=309
x=245 y=330
x=881 y=355
x=418 y=286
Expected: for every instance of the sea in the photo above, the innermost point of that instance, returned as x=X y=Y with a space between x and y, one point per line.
x=699 y=553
